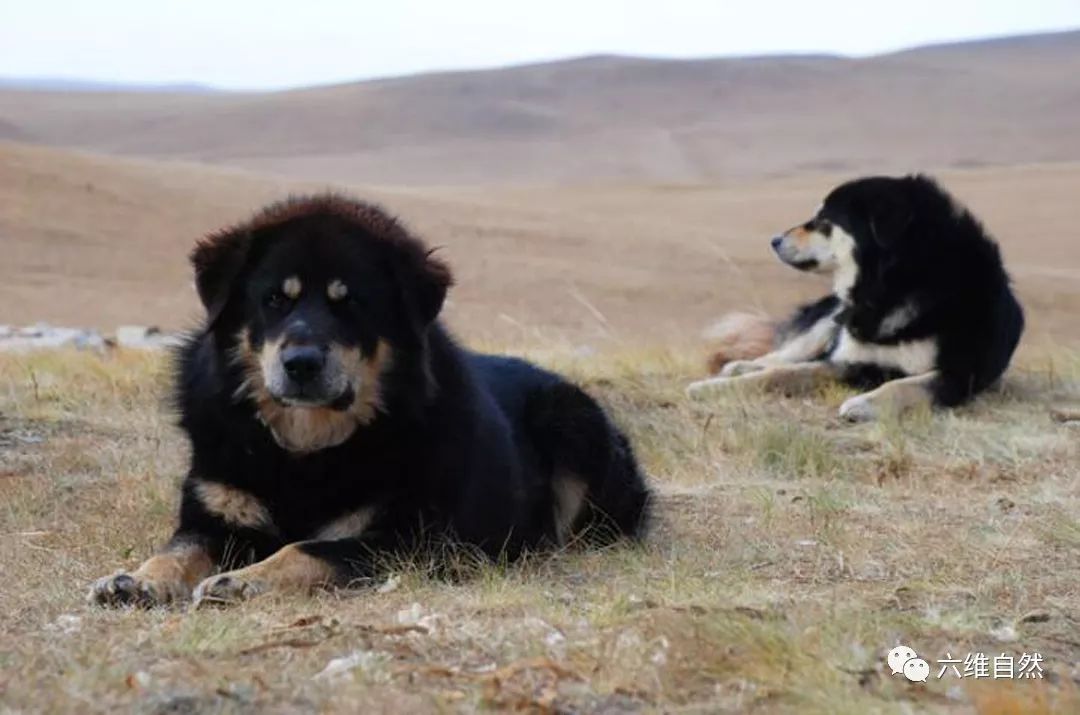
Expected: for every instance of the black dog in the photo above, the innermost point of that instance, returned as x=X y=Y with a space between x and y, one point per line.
x=921 y=304
x=334 y=422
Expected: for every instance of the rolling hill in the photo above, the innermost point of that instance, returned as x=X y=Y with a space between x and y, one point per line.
x=607 y=118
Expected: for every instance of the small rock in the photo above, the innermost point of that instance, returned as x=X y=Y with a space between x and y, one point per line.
x=430 y=623
x=364 y=659
x=552 y=636
x=410 y=616
x=1005 y=633
x=43 y=336
x=389 y=585
x=33 y=331
x=139 y=680
x=143 y=337
x=66 y=623
x=957 y=694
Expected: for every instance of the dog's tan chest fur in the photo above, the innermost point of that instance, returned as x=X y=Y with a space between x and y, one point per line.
x=302 y=429
x=234 y=506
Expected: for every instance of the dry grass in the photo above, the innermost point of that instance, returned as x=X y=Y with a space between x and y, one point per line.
x=791 y=552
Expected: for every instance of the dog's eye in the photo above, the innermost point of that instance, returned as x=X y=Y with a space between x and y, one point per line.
x=275 y=300
x=821 y=226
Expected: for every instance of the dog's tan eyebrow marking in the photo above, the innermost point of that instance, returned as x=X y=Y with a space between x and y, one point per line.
x=291 y=287
x=336 y=290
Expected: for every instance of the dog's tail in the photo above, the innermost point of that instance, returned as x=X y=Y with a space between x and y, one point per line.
x=739 y=336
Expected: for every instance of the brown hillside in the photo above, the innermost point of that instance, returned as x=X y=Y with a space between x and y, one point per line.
x=604 y=118
x=99 y=241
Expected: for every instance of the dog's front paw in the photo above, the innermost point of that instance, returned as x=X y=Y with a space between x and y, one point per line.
x=130 y=589
x=860 y=408
x=699 y=389
x=735 y=368
x=227 y=588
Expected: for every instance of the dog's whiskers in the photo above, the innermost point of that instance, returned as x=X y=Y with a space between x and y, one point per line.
x=242 y=390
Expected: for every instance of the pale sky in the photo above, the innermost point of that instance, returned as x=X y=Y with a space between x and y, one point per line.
x=268 y=44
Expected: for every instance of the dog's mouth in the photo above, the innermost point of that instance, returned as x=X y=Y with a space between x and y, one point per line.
x=805 y=249
x=805 y=265
x=800 y=261
x=313 y=398
x=797 y=262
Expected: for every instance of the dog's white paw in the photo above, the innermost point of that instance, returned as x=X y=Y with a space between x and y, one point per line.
x=227 y=588
x=860 y=408
x=699 y=389
x=735 y=368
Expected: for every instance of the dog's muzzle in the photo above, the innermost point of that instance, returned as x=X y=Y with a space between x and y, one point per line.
x=307 y=375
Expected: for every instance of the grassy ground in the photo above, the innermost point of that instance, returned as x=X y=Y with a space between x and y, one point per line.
x=791 y=552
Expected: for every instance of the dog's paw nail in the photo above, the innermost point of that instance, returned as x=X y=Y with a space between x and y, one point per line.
x=224 y=589
x=115 y=590
x=123 y=589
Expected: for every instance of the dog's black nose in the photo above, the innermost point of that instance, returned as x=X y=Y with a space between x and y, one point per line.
x=776 y=242
x=302 y=363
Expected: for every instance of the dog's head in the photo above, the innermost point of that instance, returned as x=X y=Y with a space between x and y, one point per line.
x=859 y=222
x=313 y=297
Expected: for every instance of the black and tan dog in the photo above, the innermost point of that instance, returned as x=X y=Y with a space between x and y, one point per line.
x=921 y=310
x=333 y=421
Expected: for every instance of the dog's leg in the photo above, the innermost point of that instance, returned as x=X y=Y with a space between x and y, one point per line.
x=893 y=398
x=804 y=347
x=790 y=379
x=301 y=566
x=164 y=578
x=597 y=489
x=218 y=523
x=292 y=568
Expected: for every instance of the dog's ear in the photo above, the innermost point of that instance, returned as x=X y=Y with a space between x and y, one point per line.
x=218 y=260
x=424 y=280
x=435 y=280
x=890 y=215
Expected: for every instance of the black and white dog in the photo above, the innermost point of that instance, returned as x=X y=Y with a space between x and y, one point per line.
x=921 y=309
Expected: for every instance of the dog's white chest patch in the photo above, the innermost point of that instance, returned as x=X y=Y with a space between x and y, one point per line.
x=912 y=358
x=846 y=272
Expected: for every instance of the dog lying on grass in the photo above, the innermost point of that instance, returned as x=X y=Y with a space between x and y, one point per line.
x=921 y=311
x=333 y=421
